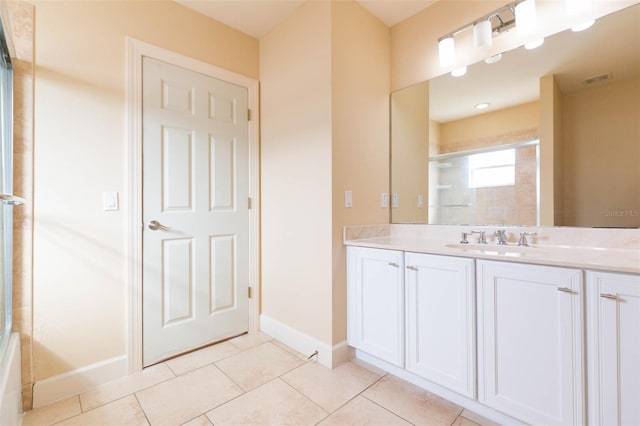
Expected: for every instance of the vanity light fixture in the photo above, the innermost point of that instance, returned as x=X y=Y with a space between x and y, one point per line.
x=583 y=26
x=534 y=44
x=483 y=105
x=459 y=72
x=525 y=16
x=518 y=13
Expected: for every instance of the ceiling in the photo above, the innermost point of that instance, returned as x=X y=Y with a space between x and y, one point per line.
x=258 y=17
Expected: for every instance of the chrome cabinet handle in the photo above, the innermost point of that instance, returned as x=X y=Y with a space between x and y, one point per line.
x=12 y=200
x=395 y=265
x=609 y=296
x=565 y=289
x=154 y=225
x=413 y=268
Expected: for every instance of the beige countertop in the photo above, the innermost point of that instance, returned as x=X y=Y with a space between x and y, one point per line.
x=624 y=259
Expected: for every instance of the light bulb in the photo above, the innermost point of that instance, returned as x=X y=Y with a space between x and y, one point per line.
x=534 y=44
x=482 y=35
x=459 y=72
x=447 y=51
x=525 y=16
x=583 y=26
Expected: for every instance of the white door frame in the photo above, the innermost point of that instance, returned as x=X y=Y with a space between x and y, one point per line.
x=135 y=50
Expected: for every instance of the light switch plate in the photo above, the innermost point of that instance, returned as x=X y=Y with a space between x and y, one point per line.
x=395 y=201
x=110 y=201
x=348 y=199
x=384 y=200
x=420 y=201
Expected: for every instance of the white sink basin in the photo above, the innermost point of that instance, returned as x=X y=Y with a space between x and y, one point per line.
x=497 y=250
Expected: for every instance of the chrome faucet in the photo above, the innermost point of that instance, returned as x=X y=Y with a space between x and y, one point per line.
x=501 y=236
x=481 y=239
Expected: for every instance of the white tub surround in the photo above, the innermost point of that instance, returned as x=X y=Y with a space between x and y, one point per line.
x=614 y=250
x=10 y=386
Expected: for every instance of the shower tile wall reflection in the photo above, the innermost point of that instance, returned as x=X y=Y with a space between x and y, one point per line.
x=453 y=201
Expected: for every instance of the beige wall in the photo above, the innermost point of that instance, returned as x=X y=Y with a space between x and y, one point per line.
x=79 y=261
x=360 y=133
x=295 y=75
x=325 y=85
x=410 y=132
x=550 y=149
x=602 y=155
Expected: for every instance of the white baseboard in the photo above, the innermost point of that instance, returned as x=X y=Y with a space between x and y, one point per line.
x=329 y=356
x=78 y=381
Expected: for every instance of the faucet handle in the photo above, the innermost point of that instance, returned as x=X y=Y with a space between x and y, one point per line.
x=463 y=238
x=523 y=238
x=481 y=239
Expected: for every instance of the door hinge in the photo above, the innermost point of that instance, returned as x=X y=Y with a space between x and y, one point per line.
x=248 y=115
x=250 y=292
x=249 y=203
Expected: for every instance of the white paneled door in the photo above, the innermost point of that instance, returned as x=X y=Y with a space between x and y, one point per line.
x=195 y=210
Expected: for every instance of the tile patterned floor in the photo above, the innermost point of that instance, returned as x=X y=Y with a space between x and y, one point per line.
x=254 y=380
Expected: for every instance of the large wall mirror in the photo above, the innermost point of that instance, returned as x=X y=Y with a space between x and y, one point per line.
x=559 y=143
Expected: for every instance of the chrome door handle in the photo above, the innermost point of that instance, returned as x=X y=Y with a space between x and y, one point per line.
x=609 y=296
x=394 y=264
x=154 y=225
x=12 y=200
x=565 y=289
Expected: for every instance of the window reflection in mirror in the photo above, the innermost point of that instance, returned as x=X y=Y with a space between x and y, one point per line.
x=498 y=185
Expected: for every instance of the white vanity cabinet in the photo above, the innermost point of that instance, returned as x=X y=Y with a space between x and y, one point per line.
x=530 y=342
x=440 y=305
x=375 y=285
x=613 y=338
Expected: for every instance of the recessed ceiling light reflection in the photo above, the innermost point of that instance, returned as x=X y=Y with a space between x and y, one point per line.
x=493 y=59
x=583 y=26
x=459 y=72
x=534 y=44
x=483 y=105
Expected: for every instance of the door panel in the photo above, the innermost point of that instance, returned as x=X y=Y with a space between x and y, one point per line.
x=177 y=169
x=195 y=185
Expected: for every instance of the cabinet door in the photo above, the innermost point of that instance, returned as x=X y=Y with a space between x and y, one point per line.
x=613 y=335
x=440 y=303
x=530 y=342
x=376 y=303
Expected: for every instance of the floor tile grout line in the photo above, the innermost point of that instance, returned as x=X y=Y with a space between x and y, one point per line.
x=88 y=411
x=142 y=408
x=458 y=416
x=342 y=405
x=70 y=417
x=388 y=410
x=130 y=393
x=307 y=398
